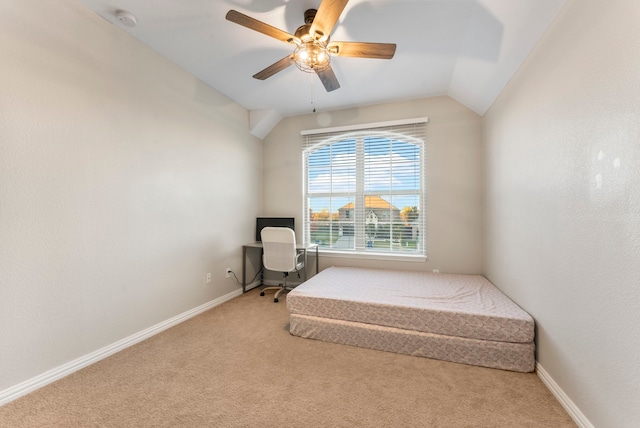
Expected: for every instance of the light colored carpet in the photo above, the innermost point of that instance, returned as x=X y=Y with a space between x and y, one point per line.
x=237 y=366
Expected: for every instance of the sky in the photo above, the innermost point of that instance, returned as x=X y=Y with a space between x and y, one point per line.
x=332 y=170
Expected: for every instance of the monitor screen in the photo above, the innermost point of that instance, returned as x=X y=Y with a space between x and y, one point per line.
x=262 y=222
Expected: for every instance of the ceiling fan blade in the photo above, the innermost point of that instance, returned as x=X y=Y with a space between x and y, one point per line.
x=363 y=49
x=326 y=17
x=259 y=26
x=329 y=79
x=274 y=68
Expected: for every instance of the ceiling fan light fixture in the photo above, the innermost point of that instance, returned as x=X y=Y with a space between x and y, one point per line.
x=312 y=57
x=313 y=48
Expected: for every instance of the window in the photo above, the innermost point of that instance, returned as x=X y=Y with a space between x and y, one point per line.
x=364 y=188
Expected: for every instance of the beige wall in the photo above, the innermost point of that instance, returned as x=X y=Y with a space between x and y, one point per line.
x=454 y=178
x=123 y=180
x=563 y=204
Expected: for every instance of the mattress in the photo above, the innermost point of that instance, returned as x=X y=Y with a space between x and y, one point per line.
x=466 y=306
x=517 y=357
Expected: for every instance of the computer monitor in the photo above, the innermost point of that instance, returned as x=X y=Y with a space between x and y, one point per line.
x=262 y=222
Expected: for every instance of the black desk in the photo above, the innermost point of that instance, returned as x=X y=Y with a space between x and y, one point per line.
x=258 y=246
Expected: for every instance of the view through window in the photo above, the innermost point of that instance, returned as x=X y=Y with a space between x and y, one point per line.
x=364 y=190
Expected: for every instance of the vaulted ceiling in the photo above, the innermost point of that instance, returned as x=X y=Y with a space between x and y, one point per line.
x=467 y=49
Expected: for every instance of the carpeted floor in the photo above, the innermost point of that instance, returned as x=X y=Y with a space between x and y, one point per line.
x=237 y=366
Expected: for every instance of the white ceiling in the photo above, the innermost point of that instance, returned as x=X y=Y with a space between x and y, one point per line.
x=467 y=49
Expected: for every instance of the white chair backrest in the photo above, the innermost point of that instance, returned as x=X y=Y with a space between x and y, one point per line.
x=279 y=245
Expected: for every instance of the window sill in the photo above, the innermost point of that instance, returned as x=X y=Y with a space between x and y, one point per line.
x=373 y=256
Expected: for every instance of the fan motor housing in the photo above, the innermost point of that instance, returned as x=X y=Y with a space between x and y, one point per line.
x=303 y=33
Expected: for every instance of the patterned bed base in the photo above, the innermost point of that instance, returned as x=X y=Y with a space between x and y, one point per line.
x=517 y=357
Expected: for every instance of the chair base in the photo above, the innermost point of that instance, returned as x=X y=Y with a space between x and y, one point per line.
x=282 y=287
x=279 y=289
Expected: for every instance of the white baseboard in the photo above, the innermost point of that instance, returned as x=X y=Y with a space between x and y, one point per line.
x=52 y=375
x=253 y=285
x=578 y=417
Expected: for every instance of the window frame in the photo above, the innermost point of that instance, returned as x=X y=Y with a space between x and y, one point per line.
x=412 y=131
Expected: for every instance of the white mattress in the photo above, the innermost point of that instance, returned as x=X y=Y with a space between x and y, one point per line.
x=466 y=306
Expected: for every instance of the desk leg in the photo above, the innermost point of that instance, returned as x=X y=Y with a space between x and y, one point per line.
x=244 y=268
x=306 y=264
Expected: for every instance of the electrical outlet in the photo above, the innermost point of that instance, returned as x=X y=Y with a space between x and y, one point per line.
x=229 y=272
x=436 y=271
x=208 y=277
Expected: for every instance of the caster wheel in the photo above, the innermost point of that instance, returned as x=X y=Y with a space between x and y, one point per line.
x=275 y=300
x=262 y=294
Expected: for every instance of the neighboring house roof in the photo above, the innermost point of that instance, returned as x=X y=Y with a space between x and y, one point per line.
x=371 y=202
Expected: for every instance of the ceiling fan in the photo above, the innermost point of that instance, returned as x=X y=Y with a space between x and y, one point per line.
x=313 y=48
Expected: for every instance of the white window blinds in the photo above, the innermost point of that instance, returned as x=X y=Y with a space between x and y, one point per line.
x=364 y=188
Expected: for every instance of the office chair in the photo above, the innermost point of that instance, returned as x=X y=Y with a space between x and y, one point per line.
x=280 y=255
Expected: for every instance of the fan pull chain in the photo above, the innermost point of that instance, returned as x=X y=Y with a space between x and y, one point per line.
x=311 y=89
